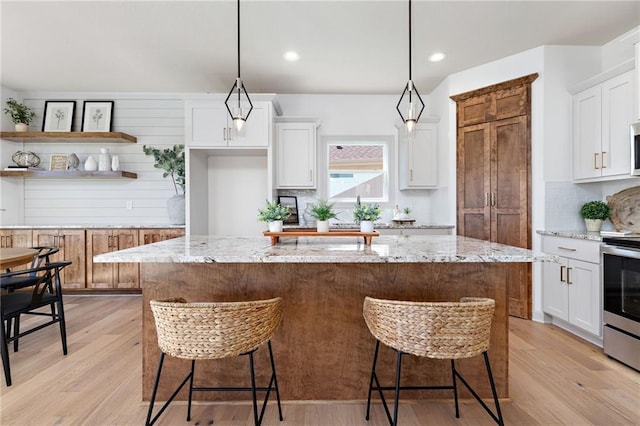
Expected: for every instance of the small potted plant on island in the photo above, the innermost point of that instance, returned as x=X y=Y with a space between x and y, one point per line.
x=20 y=114
x=365 y=215
x=171 y=161
x=322 y=210
x=593 y=213
x=274 y=214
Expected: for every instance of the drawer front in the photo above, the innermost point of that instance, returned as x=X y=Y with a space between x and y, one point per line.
x=585 y=250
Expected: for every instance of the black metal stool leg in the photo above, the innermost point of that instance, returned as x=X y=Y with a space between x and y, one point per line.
x=193 y=367
x=275 y=379
x=253 y=390
x=493 y=388
x=455 y=387
x=397 y=397
x=155 y=389
x=373 y=372
x=5 y=357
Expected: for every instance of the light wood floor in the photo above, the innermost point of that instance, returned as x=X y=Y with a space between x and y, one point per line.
x=555 y=379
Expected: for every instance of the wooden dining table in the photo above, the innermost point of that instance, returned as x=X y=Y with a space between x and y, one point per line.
x=12 y=257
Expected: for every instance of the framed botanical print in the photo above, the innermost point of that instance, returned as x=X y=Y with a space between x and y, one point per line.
x=58 y=116
x=96 y=116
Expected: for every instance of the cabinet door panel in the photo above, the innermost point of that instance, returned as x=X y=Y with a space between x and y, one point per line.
x=555 y=293
x=421 y=169
x=17 y=238
x=587 y=133
x=255 y=131
x=296 y=149
x=126 y=274
x=584 y=296
x=99 y=275
x=206 y=124
x=73 y=248
x=617 y=116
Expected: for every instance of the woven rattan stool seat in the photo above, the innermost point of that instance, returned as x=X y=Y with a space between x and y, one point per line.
x=214 y=330
x=441 y=330
x=211 y=330
x=444 y=330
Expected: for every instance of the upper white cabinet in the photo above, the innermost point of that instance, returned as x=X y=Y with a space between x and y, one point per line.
x=601 y=118
x=208 y=124
x=571 y=288
x=418 y=157
x=296 y=153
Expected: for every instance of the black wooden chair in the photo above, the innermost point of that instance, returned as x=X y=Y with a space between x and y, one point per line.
x=39 y=287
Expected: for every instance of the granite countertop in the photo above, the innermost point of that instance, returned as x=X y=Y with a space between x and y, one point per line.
x=579 y=235
x=93 y=226
x=384 y=249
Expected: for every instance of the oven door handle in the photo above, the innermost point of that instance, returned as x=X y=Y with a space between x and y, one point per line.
x=620 y=251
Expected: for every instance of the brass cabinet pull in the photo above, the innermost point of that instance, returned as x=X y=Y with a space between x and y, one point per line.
x=10 y=243
x=2 y=241
x=595 y=161
x=486 y=198
x=604 y=166
x=493 y=199
x=569 y=275
x=562 y=268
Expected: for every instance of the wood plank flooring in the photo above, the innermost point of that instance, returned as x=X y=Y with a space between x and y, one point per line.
x=555 y=379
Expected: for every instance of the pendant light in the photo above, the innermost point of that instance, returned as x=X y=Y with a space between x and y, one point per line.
x=239 y=108
x=410 y=100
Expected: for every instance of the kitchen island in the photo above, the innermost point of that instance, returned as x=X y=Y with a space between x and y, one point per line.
x=323 y=349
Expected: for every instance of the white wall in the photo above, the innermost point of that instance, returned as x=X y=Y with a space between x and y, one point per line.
x=156 y=120
x=359 y=115
x=11 y=190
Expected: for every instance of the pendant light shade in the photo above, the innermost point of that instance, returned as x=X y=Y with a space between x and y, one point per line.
x=410 y=105
x=238 y=103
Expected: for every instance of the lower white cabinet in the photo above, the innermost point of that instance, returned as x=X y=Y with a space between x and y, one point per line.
x=571 y=288
x=414 y=231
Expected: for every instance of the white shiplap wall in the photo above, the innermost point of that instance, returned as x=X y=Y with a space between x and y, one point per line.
x=155 y=120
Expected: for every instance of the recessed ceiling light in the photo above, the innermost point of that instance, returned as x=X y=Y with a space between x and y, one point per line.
x=291 y=56
x=437 y=57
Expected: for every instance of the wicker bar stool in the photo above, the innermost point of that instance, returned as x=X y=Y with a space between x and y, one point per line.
x=442 y=330
x=199 y=331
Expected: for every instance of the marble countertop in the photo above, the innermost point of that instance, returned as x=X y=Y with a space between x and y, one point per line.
x=384 y=249
x=93 y=226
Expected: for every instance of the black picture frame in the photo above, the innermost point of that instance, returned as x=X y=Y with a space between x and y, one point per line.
x=291 y=202
x=97 y=116
x=58 y=116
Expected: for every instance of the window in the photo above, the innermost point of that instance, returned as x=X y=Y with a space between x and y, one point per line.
x=357 y=167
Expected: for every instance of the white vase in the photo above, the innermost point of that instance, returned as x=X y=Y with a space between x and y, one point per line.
x=275 y=226
x=115 y=163
x=21 y=127
x=366 y=226
x=175 y=208
x=322 y=226
x=104 y=161
x=90 y=165
x=593 y=225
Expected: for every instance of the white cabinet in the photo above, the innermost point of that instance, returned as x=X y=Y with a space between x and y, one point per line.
x=571 y=288
x=601 y=118
x=296 y=154
x=208 y=124
x=414 y=231
x=418 y=157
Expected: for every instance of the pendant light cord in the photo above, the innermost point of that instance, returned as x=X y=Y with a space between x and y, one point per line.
x=239 y=80
x=409 y=40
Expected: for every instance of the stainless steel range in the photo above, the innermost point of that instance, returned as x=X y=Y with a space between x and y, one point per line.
x=621 y=278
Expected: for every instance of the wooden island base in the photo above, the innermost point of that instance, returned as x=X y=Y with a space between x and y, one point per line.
x=323 y=349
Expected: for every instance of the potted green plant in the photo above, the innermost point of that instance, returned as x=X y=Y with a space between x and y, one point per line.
x=322 y=210
x=20 y=114
x=171 y=161
x=365 y=215
x=274 y=214
x=594 y=213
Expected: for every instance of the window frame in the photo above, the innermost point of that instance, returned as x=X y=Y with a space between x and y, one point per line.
x=389 y=143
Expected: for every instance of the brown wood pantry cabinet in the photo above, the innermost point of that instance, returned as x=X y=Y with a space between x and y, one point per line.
x=80 y=245
x=494 y=173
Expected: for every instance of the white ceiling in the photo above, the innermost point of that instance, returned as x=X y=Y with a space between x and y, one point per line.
x=345 y=46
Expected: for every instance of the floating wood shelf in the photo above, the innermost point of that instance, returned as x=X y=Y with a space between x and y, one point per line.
x=68 y=137
x=67 y=174
x=275 y=236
